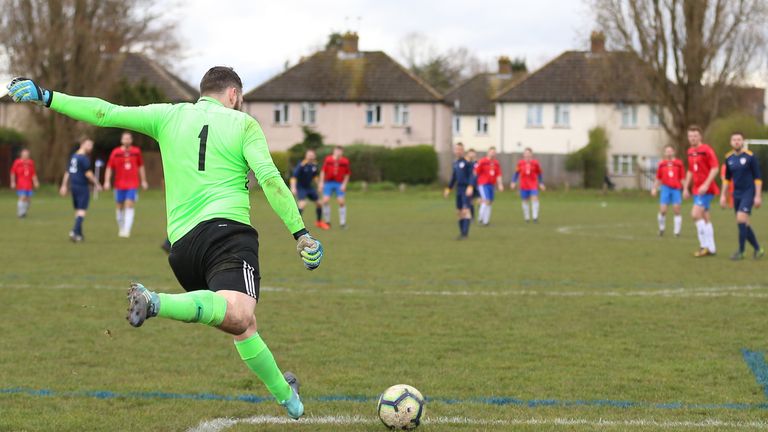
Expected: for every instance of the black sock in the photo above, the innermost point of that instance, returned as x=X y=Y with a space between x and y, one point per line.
x=742 y=236
x=752 y=239
x=319 y=213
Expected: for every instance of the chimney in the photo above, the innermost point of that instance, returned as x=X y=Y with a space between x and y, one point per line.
x=349 y=43
x=598 y=42
x=505 y=66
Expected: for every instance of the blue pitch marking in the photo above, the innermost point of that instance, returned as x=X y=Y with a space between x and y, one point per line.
x=756 y=362
x=498 y=401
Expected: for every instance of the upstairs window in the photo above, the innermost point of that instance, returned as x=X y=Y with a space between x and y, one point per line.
x=308 y=113
x=562 y=115
x=535 y=115
x=401 y=114
x=629 y=116
x=373 y=115
x=281 y=113
x=482 y=125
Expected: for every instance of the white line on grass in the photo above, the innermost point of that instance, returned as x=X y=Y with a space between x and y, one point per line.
x=749 y=291
x=221 y=424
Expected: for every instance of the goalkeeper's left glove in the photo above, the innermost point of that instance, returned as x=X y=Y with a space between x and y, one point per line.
x=25 y=90
x=311 y=251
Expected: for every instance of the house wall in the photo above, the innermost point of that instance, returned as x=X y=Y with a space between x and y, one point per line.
x=469 y=136
x=345 y=123
x=643 y=141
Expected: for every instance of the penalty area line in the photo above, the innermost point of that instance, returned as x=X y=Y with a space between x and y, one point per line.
x=221 y=424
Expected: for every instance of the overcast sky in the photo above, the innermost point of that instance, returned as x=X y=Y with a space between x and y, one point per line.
x=258 y=37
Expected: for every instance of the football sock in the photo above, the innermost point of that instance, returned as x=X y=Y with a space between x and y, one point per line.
x=488 y=213
x=120 y=216
x=20 y=208
x=464 y=225
x=701 y=231
x=752 y=238
x=526 y=210
x=481 y=212
x=742 y=236
x=205 y=307
x=343 y=215
x=319 y=213
x=26 y=206
x=536 y=209
x=78 y=228
x=259 y=359
x=327 y=213
x=678 y=224
x=662 y=221
x=128 y=222
x=461 y=226
x=710 y=232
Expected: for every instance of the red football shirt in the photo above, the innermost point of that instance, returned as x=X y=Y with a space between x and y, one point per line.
x=125 y=164
x=336 y=169
x=24 y=171
x=528 y=174
x=487 y=171
x=671 y=173
x=701 y=160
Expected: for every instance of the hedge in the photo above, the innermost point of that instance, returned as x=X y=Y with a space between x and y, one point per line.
x=280 y=158
x=373 y=164
x=11 y=137
x=592 y=159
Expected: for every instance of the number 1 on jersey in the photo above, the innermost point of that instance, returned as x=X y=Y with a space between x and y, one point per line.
x=203 y=141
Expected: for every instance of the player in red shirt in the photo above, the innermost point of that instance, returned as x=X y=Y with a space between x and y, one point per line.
x=529 y=175
x=23 y=179
x=128 y=165
x=333 y=180
x=669 y=177
x=488 y=174
x=702 y=171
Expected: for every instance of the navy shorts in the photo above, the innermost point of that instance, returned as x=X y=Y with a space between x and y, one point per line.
x=80 y=197
x=744 y=203
x=307 y=193
x=462 y=200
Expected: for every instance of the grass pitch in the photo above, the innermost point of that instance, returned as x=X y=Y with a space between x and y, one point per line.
x=586 y=321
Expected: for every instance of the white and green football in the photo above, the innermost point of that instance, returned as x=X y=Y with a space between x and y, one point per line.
x=401 y=407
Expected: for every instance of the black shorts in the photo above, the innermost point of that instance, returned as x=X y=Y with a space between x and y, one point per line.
x=218 y=254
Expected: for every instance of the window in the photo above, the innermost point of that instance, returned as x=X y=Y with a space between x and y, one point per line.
x=308 y=113
x=535 y=114
x=281 y=113
x=482 y=125
x=624 y=164
x=629 y=116
x=654 y=120
x=456 y=125
x=401 y=114
x=373 y=115
x=562 y=115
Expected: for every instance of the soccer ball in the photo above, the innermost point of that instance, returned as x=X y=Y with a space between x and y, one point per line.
x=401 y=407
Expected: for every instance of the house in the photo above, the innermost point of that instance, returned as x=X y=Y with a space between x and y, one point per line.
x=553 y=108
x=350 y=96
x=474 y=109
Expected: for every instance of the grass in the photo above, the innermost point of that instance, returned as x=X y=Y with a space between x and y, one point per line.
x=588 y=305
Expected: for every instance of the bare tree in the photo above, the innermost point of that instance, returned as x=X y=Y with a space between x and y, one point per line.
x=442 y=70
x=74 y=46
x=692 y=51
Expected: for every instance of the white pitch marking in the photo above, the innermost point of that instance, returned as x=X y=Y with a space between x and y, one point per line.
x=220 y=424
x=747 y=291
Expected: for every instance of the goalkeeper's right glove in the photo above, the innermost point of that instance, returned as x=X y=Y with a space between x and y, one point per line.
x=311 y=251
x=25 y=90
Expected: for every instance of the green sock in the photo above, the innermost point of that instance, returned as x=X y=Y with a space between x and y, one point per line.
x=259 y=359
x=202 y=306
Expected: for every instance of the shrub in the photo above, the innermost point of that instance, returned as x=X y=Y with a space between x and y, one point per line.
x=412 y=165
x=366 y=161
x=280 y=158
x=12 y=137
x=591 y=160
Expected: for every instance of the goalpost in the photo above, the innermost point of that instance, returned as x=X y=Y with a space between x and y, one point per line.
x=750 y=142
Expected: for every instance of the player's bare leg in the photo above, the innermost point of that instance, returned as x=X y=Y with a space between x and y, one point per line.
x=231 y=312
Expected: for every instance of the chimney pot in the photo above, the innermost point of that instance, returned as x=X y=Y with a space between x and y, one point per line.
x=349 y=43
x=598 y=42
x=505 y=66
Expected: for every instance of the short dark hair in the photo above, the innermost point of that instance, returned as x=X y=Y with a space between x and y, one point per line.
x=737 y=133
x=460 y=144
x=492 y=148
x=694 y=128
x=471 y=150
x=218 y=79
x=83 y=138
x=339 y=147
x=528 y=149
x=669 y=146
x=126 y=131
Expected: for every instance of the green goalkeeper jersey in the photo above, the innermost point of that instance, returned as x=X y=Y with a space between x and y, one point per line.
x=206 y=149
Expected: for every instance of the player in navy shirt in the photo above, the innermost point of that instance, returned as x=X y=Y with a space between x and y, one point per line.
x=303 y=176
x=463 y=179
x=743 y=170
x=77 y=177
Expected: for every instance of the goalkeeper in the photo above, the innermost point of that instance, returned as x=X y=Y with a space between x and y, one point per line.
x=207 y=148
